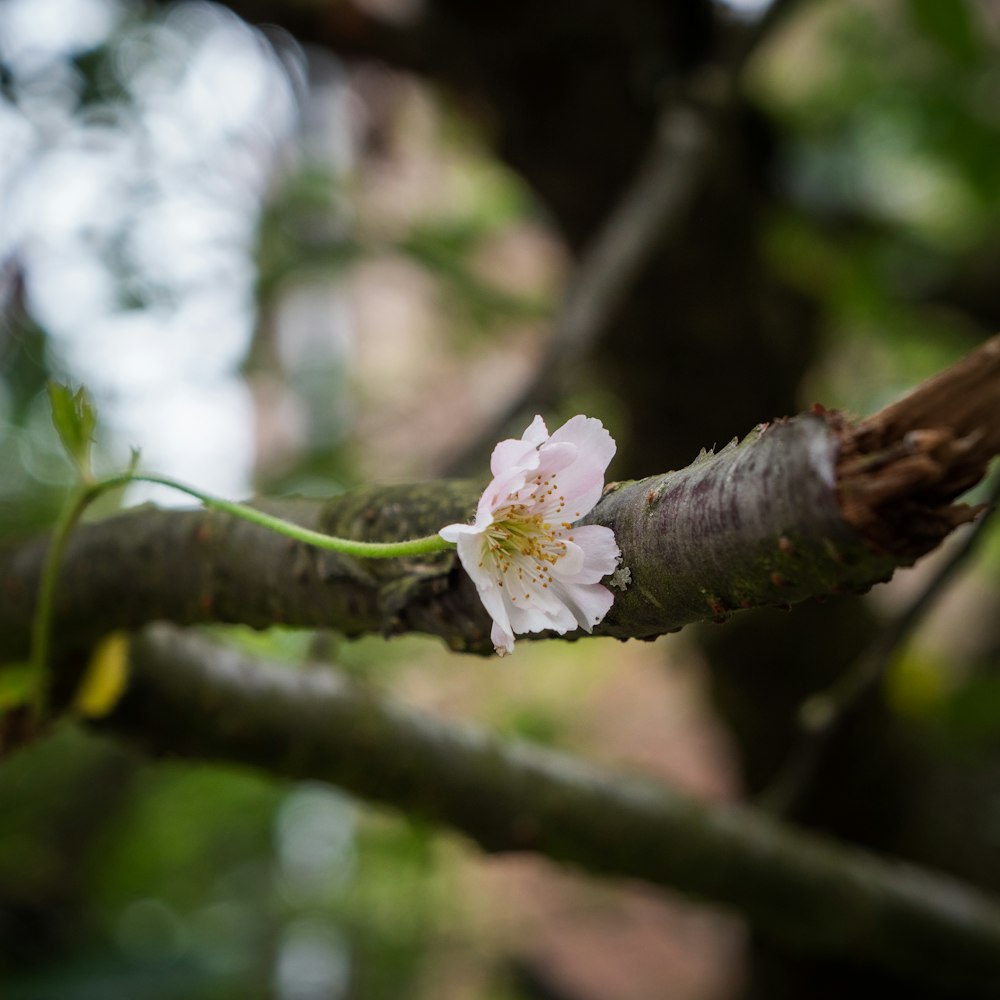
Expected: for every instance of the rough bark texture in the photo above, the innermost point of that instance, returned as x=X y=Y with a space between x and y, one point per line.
x=756 y=524
x=914 y=457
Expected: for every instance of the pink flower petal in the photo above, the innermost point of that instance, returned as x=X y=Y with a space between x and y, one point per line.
x=553 y=458
x=452 y=532
x=539 y=615
x=589 y=602
x=536 y=432
x=600 y=552
x=496 y=495
x=582 y=482
x=512 y=454
x=529 y=574
x=503 y=641
x=489 y=593
x=590 y=436
x=571 y=562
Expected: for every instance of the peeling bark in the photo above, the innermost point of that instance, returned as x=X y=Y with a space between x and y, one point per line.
x=900 y=468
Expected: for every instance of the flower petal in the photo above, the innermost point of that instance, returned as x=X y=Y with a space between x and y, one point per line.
x=540 y=610
x=589 y=602
x=451 y=532
x=590 y=436
x=582 y=482
x=513 y=454
x=553 y=458
x=536 y=432
x=600 y=552
x=496 y=495
x=470 y=552
x=531 y=569
x=503 y=641
x=571 y=562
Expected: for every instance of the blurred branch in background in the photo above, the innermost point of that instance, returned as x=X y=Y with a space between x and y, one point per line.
x=648 y=214
x=191 y=698
x=645 y=217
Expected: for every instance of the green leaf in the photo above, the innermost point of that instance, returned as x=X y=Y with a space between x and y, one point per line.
x=950 y=26
x=75 y=419
x=17 y=685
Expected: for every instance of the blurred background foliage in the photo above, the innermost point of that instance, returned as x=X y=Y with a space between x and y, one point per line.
x=281 y=271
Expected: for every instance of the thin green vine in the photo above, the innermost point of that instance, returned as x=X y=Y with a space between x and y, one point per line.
x=345 y=546
x=85 y=494
x=41 y=623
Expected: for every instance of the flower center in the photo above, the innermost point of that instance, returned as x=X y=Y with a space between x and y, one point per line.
x=524 y=547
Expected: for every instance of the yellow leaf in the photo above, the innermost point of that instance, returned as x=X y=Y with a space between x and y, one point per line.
x=104 y=682
x=916 y=685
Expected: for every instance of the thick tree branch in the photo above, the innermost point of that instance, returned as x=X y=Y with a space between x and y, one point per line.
x=802 y=507
x=190 y=698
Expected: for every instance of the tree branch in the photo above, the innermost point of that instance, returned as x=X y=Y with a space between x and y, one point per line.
x=801 y=507
x=190 y=698
x=756 y=524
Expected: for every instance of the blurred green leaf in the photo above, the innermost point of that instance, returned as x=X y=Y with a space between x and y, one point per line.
x=949 y=25
x=971 y=716
x=17 y=683
x=75 y=419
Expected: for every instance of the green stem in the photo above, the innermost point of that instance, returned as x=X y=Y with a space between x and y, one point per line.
x=346 y=546
x=86 y=493
x=41 y=623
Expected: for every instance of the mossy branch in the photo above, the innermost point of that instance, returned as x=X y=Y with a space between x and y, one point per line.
x=802 y=507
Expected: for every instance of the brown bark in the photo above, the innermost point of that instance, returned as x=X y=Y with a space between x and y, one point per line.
x=900 y=468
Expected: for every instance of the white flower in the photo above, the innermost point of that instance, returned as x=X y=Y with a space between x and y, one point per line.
x=533 y=569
